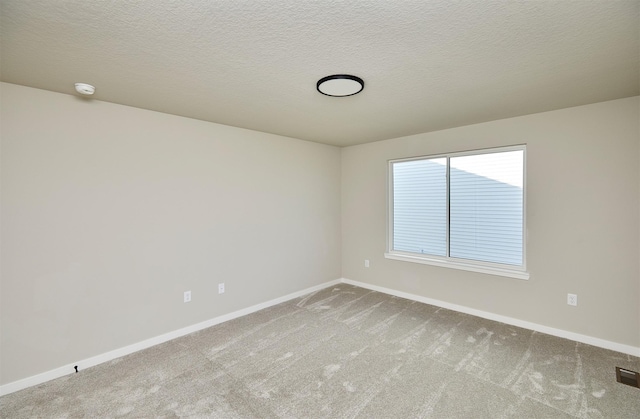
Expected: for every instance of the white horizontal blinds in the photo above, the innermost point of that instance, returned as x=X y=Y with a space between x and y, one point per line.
x=420 y=206
x=486 y=207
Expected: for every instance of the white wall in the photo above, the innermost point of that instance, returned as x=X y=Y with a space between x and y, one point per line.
x=582 y=210
x=109 y=213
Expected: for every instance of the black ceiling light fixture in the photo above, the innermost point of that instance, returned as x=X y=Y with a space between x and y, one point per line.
x=340 y=85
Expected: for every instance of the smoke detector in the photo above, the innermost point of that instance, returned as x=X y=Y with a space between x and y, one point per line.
x=85 y=89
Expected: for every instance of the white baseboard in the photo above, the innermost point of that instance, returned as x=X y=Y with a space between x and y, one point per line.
x=117 y=353
x=614 y=346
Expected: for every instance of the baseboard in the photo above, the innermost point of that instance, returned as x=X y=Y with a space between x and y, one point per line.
x=117 y=353
x=614 y=346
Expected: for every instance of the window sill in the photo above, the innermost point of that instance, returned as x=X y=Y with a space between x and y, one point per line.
x=511 y=273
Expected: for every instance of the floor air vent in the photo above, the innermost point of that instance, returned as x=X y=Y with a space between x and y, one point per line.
x=628 y=377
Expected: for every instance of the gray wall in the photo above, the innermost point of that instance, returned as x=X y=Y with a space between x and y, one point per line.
x=109 y=213
x=582 y=220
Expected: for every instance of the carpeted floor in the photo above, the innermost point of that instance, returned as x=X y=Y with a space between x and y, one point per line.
x=347 y=352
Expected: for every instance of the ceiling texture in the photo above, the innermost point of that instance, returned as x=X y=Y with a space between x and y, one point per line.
x=427 y=65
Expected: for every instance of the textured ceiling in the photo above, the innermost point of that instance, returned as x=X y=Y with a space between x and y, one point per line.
x=254 y=64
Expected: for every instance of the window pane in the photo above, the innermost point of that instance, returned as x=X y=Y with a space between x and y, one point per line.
x=486 y=207
x=420 y=206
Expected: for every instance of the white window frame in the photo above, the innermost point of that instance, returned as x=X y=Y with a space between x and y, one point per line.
x=519 y=272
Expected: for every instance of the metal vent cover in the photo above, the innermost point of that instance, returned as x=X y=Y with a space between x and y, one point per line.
x=628 y=377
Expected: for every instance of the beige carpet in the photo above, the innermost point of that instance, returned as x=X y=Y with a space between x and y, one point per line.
x=347 y=352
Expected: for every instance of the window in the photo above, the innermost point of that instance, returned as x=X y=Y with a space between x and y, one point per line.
x=460 y=210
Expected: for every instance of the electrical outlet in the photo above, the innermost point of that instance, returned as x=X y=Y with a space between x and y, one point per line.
x=572 y=299
x=366 y=263
x=221 y=288
x=187 y=296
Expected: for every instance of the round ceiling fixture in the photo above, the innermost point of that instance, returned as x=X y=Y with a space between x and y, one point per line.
x=340 y=85
x=85 y=89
